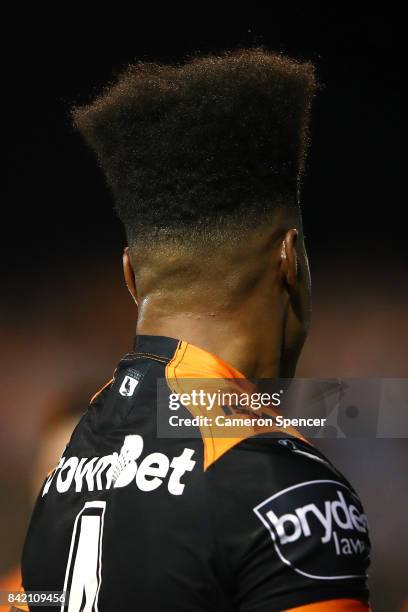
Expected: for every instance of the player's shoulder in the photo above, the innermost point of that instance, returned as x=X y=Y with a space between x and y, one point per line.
x=288 y=516
x=132 y=387
x=277 y=476
x=137 y=372
x=279 y=460
x=132 y=370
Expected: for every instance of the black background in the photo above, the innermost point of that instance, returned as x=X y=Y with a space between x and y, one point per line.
x=57 y=206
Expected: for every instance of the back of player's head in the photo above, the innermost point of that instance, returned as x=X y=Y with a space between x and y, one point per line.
x=202 y=147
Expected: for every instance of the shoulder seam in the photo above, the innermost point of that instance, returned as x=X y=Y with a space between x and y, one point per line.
x=149 y=356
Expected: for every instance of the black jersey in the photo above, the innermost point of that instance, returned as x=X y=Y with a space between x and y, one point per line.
x=129 y=520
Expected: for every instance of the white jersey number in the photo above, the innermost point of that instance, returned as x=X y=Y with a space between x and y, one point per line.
x=83 y=573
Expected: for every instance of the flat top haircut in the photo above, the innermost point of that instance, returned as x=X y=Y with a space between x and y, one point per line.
x=215 y=143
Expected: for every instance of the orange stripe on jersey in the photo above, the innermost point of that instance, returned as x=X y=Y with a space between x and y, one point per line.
x=334 y=605
x=190 y=362
x=100 y=390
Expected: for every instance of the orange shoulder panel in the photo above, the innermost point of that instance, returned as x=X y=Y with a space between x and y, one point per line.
x=192 y=366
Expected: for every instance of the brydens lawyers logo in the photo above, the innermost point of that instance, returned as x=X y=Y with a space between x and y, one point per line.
x=128 y=386
x=319 y=529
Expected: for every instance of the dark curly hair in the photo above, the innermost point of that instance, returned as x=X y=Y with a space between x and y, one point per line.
x=214 y=142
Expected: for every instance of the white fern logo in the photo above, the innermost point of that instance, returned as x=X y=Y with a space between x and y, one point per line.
x=125 y=468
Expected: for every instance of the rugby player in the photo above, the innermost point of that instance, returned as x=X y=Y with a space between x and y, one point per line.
x=204 y=160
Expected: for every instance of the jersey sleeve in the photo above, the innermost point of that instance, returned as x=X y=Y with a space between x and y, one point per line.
x=291 y=531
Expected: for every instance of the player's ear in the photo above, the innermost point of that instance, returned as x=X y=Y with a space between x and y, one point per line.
x=129 y=274
x=289 y=259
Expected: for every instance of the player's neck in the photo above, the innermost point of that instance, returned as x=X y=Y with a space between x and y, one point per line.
x=250 y=343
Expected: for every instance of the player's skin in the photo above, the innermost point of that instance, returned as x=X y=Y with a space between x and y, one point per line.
x=248 y=303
